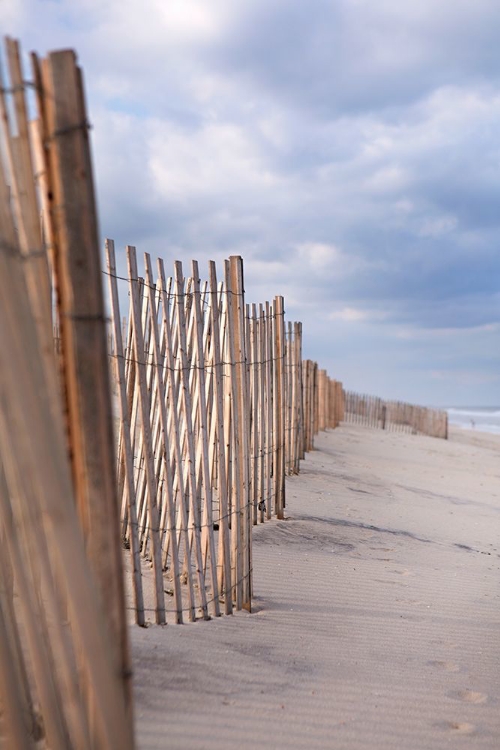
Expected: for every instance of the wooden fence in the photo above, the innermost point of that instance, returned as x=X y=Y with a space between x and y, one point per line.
x=210 y=422
x=395 y=416
x=212 y=407
x=64 y=659
x=322 y=403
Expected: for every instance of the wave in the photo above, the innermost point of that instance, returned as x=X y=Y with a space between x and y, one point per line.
x=486 y=411
x=482 y=419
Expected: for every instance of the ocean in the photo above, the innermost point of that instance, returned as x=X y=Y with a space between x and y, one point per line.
x=481 y=418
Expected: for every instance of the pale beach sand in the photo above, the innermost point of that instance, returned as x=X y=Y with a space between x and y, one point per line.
x=377 y=612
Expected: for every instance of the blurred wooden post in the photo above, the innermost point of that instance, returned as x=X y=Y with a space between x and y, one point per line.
x=331 y=403
x=316 y=399
x=12 y=693
x=310 y=405
x=270 y=397
x=14 y=684
x=326 y=400
x=83 y=335
x=263 y=423
x=288 y=396
x=321 y=400
x=34 y=455
x=305 y=403
x=298 y=418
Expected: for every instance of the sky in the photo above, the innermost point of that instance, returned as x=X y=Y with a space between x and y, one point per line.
x=349 y=150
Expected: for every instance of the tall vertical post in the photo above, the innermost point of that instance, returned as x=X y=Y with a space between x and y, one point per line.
x=236 y=303
x=85 y=370
x=279 y=406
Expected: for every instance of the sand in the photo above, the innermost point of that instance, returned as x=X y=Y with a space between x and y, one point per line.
x=377 y=612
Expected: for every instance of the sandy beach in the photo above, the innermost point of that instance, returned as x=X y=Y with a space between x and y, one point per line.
x=376 y=619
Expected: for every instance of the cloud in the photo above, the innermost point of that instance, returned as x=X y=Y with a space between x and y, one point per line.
x=435 y=227
x=355 y=315
x=206 y=163
x=466 y=377
x=349 y=151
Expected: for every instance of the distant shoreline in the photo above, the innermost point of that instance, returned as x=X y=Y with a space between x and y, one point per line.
x=485 y=419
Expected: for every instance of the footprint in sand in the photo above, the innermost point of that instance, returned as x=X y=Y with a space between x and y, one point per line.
x=459 y=727
x=403 y=572
x=447 y=666
x=470 y=696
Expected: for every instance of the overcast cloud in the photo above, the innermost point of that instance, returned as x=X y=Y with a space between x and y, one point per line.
x=349 y=150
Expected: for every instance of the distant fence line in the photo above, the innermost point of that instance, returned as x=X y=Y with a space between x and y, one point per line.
x=395 y=416
x=323 y=402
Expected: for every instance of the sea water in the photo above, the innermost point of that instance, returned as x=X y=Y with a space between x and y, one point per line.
x=482 y=418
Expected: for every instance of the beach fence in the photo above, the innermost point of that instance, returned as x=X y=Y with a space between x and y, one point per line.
x=215 y=408
x=209 y=408
x=209 y=394
x=322 y=403
x=210 y=423
x=64 y=657
x=325 y=404
x=395 y=416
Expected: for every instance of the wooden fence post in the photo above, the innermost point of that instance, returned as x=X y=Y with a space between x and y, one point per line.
x=241 y=422
x=270 y=398
x=263 y=434
x=202 y=428
x=144 y=405
x=127 y=447
x=279 y=405
x=83 y=334
x=298 y=416
x=316 y=399
x=224 y=571
x=36 y=464
x=194 y=509
x=304 y=394
x=321 y=400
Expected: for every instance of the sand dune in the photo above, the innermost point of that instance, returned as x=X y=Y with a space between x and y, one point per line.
x=377 y=612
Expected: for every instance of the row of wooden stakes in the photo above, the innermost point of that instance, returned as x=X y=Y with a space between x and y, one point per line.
x=395 y=416
x=210 y=421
